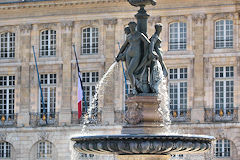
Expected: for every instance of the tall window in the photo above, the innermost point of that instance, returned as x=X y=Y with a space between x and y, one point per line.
x=48 y=82
x=178 y=36
x=7 y=84
x=89 y=80
x=5 y=150
x=44 y=150
x=224 y=90
x=178 y=92
x=90 y=40
x=7 y=45
x=222 y=148
x=224 y=34
x=48 y=43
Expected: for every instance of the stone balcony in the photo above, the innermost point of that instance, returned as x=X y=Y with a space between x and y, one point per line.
x=228 y=115
x=47 y=119
x=180 y=116
x=9 y=120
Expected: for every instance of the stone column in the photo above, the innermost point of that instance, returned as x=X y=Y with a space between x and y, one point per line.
x=66 y=47
x=108 y=107
x=25 y=51
x=198 y=49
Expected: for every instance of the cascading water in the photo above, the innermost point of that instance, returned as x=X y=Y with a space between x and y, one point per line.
x=92 y=110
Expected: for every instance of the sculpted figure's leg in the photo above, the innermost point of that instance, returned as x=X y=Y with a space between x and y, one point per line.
x=132 y=67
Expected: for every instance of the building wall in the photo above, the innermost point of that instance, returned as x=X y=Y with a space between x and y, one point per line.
x=68 y=18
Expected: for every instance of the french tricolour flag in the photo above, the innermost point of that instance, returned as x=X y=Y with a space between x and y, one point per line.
x=80 y=96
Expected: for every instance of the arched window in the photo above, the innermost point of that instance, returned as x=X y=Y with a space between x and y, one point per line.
x=44 y=150
x=224 y=34
x=7 y=45
x=177 y=36
x=222 y=148
x=5 y=150
x=48 y=43
x=90 y=40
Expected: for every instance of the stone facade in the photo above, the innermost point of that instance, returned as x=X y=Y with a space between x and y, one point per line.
x=68 y=18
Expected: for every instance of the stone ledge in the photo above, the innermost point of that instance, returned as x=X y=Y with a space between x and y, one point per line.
x=51 y=3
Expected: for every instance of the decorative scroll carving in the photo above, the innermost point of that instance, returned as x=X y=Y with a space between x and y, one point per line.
x=89 y=22
x=43 y=135
x=223 y=16
x=112 y=21
x=3 y=136
x=199 y=18
x=134 y=114
x=47 y=25
x=67 y=24
x=176 y=18
x=25 y=27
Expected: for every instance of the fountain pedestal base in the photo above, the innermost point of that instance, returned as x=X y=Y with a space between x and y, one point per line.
x=142 y=115
x=144 y=157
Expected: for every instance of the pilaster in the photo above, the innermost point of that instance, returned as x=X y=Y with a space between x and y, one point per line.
x=198 y=49
x=66 y=48
x=25 y=50
x=109 y=51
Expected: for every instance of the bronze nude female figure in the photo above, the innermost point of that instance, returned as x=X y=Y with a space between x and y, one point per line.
x=132 y=49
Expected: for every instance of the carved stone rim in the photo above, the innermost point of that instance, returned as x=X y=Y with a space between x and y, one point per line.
x=142 y=144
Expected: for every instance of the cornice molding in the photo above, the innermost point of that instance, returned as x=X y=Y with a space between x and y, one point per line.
x=58 y=3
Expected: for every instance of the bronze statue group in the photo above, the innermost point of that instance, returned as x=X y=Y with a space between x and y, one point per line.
x=143 y=59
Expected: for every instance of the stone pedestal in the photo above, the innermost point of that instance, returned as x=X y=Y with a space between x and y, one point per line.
x=144 y=157
x=142 y=116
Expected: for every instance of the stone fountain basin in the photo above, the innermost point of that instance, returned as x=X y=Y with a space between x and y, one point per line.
x=142 y=144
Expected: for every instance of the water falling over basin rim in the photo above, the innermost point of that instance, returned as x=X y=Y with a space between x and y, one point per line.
x=130 y=144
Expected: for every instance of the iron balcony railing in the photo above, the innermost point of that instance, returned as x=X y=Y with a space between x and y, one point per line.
x=95 y=118
x=8 y=120
x=221 y=115
x=74 y=118
x=183 y=115
x=47 y=119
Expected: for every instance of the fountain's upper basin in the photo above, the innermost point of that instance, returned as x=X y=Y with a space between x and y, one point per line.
x=142 y=144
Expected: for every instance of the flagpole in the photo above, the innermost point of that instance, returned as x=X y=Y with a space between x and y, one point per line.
x=39 y=83
x=79 y=76
x=125 y=79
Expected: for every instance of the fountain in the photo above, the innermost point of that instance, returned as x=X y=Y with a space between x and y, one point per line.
x=145 y=136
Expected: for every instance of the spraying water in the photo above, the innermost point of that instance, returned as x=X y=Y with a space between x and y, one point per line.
x=90 y=117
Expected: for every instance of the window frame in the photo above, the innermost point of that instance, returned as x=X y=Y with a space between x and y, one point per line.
x=8 y=87
x=90 y=41
x=225 y=150
x=46 y=147
x=10 y=45
x=7 y=155
x=92 y=88
x=178 y=43
x=48 y=86
x=50 y=47
x=178 y=80
x=223 y=79
x=216 y=42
